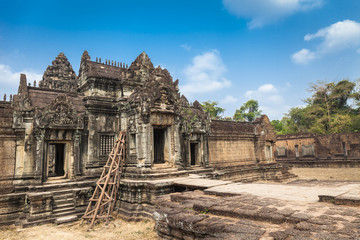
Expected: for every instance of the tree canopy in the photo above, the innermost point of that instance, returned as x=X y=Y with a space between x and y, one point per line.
x=249 y=111
x=332 y=108
x=212 y=109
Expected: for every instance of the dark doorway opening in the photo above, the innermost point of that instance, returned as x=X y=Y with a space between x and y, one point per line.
x=59 y=159
x=193 y=153
x=159 y=143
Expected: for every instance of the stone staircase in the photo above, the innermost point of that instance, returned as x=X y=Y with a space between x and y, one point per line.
x=64 y=206
x=55 y=203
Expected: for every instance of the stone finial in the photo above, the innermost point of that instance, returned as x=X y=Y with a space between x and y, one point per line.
x=29 y=84
x=34 y=83
x=112 y=62
x=11 y=97
x=85 y=56
x=4 y=96
x=99 y=60
x=127 y=66
x=96 y=59
x=105 y=61
x=121 y=64
x=23 y=81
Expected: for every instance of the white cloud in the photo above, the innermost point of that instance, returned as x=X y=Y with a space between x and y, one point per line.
x=337 y=37
x=267 y=88
x=186 y=47
x=270 y=100
x=228 y=100
x=303 y=56
x=9 y=80
x=263 y=12
x=205 y=74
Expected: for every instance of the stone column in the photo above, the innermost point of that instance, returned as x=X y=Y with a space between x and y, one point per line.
x=39 y=155
x=206 y=150
x=148 y=144
x=77 y=143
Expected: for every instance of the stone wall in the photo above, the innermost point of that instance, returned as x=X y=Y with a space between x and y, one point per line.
x=319 y=150
x=231 y=144
x=7 y=147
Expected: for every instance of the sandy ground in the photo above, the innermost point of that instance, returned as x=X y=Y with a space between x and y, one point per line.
x=341 y=174
x=117 y=229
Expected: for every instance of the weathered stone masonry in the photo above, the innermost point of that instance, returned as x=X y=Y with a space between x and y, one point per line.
x=55 y=138
x=312 y=150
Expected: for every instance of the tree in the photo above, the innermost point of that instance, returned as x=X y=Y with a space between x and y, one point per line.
x=212 y=109
x=328 y=110
x=328 y=106
x=249 y=111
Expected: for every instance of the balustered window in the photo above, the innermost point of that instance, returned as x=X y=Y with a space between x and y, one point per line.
x=106 y=144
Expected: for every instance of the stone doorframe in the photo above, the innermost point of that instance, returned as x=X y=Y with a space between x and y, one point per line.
x=166 y=144
x=71 y=140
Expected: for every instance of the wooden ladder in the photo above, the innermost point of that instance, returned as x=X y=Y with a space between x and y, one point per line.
x=102 y=202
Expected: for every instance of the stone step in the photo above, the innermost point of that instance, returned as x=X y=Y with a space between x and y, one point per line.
x=65 y=205
x=64 y=209
x=62 y=192
x=64 y=213
x=66 y=219
x=57 y=186
x=63 y=201
x=64 y=196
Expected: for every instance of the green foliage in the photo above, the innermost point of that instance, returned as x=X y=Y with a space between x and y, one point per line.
x=212 y=109
x=280 y=126
x=249 y=111
x=328 y=110
x=204 y=211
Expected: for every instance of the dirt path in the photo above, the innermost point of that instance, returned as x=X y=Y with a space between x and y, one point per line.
x=117 y=229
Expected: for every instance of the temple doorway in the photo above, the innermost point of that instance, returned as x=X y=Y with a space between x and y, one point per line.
x=159 y=145
x=59 y=159
x=194 y=153
x=56 y=163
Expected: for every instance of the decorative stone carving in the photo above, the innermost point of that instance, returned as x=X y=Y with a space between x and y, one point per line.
x=141 y=67
x=60 y=75
x=59 y=113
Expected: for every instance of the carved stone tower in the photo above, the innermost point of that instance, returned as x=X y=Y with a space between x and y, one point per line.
x=60 y=75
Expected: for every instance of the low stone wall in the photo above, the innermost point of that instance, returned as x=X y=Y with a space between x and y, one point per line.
x=254 y=172
x=312 y=150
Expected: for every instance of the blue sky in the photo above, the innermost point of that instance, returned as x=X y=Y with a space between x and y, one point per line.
x=228 y=51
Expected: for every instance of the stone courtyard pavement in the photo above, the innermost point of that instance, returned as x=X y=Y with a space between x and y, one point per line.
x=262 y=211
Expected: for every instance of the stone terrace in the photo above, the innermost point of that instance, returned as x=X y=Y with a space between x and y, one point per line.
x=236 y=214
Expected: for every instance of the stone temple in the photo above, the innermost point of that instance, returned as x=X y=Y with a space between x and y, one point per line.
x=55 y=138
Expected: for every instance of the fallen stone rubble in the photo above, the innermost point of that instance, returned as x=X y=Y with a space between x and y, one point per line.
x=195 y=215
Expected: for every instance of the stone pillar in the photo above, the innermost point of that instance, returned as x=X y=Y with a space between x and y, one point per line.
x=77 y=143
x=206 y=151
x=148 y=145
x=39 y=154
x=186 y=161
